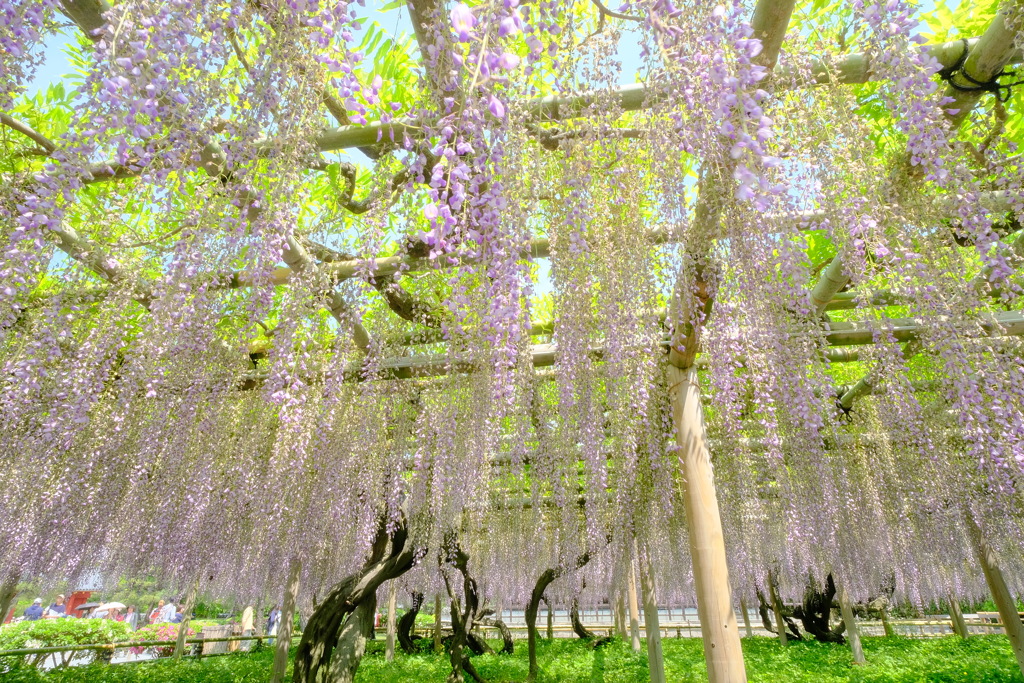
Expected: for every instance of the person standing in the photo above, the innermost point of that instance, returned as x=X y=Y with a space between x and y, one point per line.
x=131 y=618
x=34 y=612
x=154 y=616
x=57 y=609
x=168 y=612
x=272 y=620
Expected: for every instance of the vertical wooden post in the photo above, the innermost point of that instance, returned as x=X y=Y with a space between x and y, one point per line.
x=780 y=621
x=551 y=620
x=286 y=620
x=392 y=625
x=956 y=616
x=989 y=560
x=852 y=633
x=634 y=609
x=620 y=615
x=437 y=623
x=186 y=616
x=746 y=618
x=886 y=626
x=721 y=636
x=655 y=656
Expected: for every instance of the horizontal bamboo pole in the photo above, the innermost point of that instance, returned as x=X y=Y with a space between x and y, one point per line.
x=120 y=646
x=1010 y=323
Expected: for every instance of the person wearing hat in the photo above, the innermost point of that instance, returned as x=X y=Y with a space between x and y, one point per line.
x=57 y=609
x=35 y=610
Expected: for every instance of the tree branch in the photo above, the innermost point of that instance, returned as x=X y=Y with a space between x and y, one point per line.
x=29 y=132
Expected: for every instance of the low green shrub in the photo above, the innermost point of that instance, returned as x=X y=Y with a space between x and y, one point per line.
x=982 y=659
x=54 y=632
x=165 y=631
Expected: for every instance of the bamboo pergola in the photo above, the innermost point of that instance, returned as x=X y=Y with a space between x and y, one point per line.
x=689 y=311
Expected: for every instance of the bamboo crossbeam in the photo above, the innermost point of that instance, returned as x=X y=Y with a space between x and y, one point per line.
x=1005 y=323
x=121 y=646
x=986 y=58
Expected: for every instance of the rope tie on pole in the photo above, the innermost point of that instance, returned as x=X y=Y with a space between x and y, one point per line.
x=1002 y=91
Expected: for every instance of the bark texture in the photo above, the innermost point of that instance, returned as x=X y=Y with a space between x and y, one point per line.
x=577 y=626
x=335 y=637
x=406 y=623
x=533 y=606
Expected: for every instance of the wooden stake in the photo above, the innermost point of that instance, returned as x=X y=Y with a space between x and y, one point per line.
x=746 y=618
x=989 y=560
x=437 y=623
x=852 y=633
x=389 y=647
x=551 y=620
x=957 y=618
x=655 y=656
x=721 y=636
x=619 y=607
x=287 y=618
x=186 y=616
x=634 y=609
x=780 y=621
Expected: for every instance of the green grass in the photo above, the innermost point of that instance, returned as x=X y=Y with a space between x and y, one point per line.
x=982 y=659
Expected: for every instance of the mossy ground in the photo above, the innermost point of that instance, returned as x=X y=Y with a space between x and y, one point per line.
x=982 y=659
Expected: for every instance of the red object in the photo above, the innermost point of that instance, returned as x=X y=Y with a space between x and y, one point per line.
x=7 y=619
x=77 y=598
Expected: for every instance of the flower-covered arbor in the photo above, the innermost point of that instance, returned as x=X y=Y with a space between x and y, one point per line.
x=465 y=312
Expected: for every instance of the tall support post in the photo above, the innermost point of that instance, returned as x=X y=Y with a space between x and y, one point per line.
x=634 y=609
x=956 y=616
x=718 y=628
x=852 y=632
x=437 y=623
x=780 y=621
x=989 y=560
x=886 y=626
x=186 y=616
x=619 y=614
x=287 y=619
x=389 y=647
x=655 y=656
x=551 y=620
x=746 y=618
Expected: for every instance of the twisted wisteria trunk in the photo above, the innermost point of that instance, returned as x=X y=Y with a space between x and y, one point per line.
x=577 y=626
x=545 y=580
x=8 y=590
x=407 y=622
x=463 y=614
x=335 y=637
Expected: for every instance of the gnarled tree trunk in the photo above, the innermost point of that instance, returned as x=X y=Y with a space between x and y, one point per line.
x=462 y=615
x=816 y=611
x=406 y=623
x=8 y=591
x=577 y=626
x=335 y=637
x=532 y=608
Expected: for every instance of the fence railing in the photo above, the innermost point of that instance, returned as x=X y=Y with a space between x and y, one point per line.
x=100 y=647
